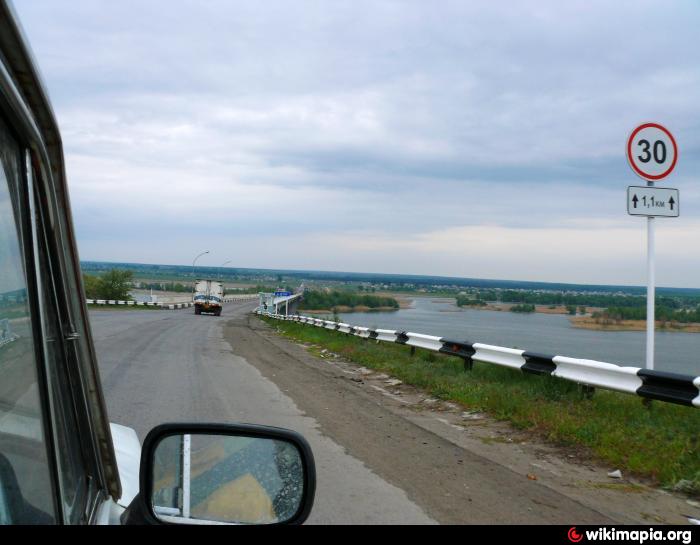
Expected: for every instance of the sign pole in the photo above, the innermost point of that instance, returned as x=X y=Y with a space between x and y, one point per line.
x=652 y=153
x=651 y=290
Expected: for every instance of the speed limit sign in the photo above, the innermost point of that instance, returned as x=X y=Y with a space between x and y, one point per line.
x=652 y=151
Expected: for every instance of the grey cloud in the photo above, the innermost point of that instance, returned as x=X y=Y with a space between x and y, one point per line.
x=399 y=118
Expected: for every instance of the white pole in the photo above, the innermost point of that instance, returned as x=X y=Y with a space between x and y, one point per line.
x=186 y=475
x=651 y=284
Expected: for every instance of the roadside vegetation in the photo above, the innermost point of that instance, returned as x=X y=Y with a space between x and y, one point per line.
x=345 y=300
x=113 y=285
x=660 y=442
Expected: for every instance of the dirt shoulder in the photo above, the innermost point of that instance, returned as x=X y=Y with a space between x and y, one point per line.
x=459 y=467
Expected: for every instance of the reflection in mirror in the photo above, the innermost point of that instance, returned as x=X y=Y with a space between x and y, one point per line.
x=226 y=479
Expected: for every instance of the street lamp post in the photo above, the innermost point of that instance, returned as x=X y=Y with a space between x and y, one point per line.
x=194 y=278
x=221 y=268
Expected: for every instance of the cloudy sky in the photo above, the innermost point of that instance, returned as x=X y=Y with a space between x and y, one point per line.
x=479 y=139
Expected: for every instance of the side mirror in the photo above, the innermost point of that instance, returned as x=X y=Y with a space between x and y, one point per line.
x=224 y=474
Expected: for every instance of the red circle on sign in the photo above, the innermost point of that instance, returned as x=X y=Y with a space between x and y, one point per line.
x=629 y=152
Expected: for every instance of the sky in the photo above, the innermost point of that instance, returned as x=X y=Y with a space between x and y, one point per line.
x=471 y=139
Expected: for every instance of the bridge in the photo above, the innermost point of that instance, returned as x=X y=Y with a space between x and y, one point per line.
x=283 y=303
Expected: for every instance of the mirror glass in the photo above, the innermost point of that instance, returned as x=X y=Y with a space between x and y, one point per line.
x=209 y=479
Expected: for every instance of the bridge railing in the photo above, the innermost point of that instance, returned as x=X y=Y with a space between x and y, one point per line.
x=6 y=335
x=167 y=306
x=658 y=385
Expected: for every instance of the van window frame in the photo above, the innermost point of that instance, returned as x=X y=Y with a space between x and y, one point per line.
x=32 y=194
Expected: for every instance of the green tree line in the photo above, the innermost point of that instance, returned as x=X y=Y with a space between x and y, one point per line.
x=662 y=313
x=114 y=285
x=464 y=301
x=175 y=287
x=322 y=300
x=600 y=300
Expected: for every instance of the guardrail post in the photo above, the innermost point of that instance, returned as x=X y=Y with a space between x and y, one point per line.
x=468 y=364
x=587 y=391
x=413 y=351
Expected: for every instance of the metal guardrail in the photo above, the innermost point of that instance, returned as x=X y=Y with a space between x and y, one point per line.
x=165 y=306
x=658 y=385
x=6 y=335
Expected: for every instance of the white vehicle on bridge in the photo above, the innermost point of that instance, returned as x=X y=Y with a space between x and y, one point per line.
x=61 y=462
x=208 y=297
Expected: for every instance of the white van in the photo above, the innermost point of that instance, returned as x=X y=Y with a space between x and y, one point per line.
x=208 y=297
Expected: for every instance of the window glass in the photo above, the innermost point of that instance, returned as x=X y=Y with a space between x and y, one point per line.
x=26 y=494
x=71 y=465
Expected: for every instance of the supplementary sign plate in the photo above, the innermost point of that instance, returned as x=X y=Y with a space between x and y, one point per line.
x=652 y=201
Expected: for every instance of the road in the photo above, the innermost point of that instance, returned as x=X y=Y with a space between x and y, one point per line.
x=380 y=460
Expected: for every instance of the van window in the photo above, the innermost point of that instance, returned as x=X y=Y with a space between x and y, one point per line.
x=72 y=469
x=26 y=493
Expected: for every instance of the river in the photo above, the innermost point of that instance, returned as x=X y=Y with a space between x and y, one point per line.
x=545 y=333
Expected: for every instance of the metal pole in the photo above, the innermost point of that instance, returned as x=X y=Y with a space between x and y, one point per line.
x=194 y=278
x=186 y=474
x=651 y=291
x=221 y=269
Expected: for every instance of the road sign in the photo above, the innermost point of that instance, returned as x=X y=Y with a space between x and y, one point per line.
x=652 y=151
x=653 y=201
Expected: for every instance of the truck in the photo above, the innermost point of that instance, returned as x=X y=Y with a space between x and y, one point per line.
x=208 y=297
x=61 y=460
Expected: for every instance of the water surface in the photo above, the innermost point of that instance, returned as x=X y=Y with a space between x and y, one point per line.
x=546 y=333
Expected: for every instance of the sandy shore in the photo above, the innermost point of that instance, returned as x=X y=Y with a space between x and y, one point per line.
x=586 y=322
x=541 y=309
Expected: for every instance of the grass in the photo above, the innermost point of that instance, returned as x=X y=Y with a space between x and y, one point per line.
x=13 y=313
x=661 y=442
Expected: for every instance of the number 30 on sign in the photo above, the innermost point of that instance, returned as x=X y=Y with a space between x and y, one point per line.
x=652 y=151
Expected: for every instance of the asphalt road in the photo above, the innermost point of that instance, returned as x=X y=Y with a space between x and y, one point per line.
x=378 y=459
x=177 y=367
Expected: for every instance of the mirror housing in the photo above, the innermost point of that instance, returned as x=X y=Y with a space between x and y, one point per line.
x=142 y=511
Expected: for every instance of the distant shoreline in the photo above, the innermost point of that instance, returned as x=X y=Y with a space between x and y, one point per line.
x=349 y=310
x=506 y=307
x=404 y=303
x=586 y=322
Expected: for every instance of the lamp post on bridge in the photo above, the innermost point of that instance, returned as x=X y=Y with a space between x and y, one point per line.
x=194 y=278
x=221 y=268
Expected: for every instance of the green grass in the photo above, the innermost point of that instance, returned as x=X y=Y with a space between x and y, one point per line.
x=13 y=313
x=661 y=442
